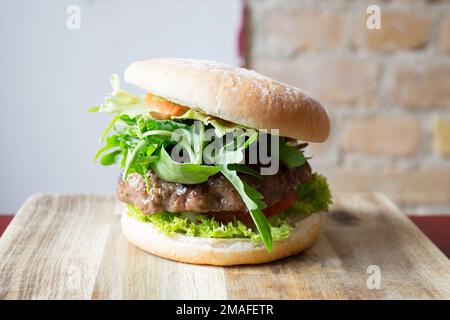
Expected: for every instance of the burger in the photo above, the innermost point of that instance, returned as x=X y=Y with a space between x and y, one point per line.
x=212 y=162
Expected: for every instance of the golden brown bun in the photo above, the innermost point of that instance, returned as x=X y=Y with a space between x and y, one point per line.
x=219 y=252
x=235 y=94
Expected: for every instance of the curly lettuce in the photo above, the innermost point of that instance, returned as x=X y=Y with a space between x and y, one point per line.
x=203 y=226
x=313 y=196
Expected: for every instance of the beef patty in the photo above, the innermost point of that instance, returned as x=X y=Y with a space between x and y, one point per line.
x=215 y=195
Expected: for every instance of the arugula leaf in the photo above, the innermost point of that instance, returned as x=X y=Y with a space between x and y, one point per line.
x=109 y=158
x=111 y=142
x=127 y=120
x=168 y=125
x=186 y=173
x=157 y=133
x=253 y=136
x=252 y=199
x=290 y=156
x=242 y=168
x=132 y=155
x=94 y=109
x=109 y=127
x=160 y=132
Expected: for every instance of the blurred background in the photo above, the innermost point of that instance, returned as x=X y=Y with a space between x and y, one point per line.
x=387 y=90
x=52 y=72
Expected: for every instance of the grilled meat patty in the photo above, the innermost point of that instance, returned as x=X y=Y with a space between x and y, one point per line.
x=215 y=195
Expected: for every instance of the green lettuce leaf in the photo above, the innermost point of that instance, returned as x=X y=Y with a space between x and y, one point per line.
x=221 y=126
x=132 y=156
x=313 y=196
x=242 y=168
x=186 y=173
x=254 y=203
x=109 y=158
x=199 y=225
x=122 y=102
x=290 y=156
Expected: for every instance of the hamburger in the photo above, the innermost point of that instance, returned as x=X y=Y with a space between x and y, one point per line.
x=197 y=186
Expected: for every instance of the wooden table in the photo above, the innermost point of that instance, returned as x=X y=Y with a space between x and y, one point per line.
x=435 y=227
x=70 y=246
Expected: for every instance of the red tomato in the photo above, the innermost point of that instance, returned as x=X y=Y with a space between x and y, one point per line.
x=164 y=109
x=245 y=218
x=280 y=206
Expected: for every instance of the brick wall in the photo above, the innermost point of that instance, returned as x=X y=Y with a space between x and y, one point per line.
x=387 y=91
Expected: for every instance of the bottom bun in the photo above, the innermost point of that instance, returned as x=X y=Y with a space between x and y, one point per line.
x=219 y=252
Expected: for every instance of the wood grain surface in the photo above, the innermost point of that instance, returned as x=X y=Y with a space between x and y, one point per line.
x=71 y=247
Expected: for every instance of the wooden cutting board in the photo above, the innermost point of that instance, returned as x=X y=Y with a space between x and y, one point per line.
x=71 y=247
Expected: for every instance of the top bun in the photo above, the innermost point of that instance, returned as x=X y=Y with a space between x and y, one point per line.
x=235 y=94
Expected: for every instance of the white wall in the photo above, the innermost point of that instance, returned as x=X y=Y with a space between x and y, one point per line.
x=50 y=75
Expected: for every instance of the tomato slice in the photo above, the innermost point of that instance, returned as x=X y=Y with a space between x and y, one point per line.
x=245 y=217
x=162 y=108
x=280 y=206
